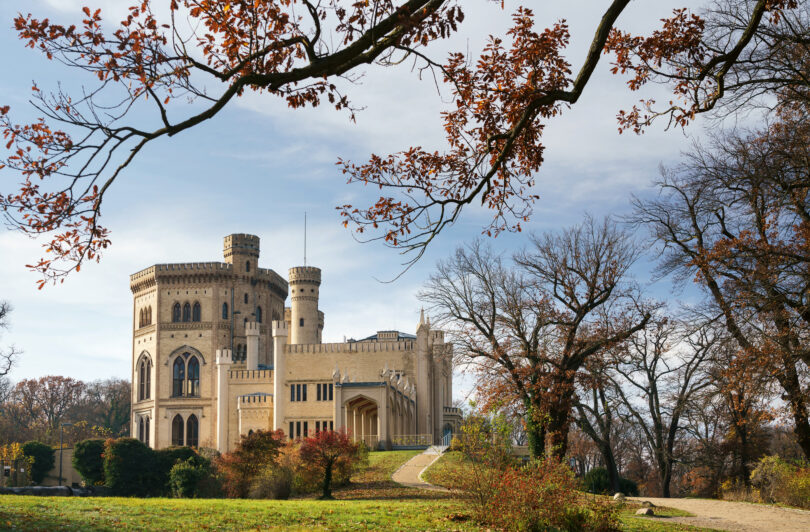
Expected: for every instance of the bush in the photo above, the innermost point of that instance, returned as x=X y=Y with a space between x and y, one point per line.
x=781 y=482
x=274 y=482
x=596 y=481
x=186 y=478
x=330 y=455
x=43 y=459
x=251 y=457
x=88 y=459
x=130 y=468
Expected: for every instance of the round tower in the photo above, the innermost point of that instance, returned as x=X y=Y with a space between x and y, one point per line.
x=242 y=251
x=305 y=281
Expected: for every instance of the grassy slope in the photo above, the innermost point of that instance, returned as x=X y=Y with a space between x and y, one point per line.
x=372 y=502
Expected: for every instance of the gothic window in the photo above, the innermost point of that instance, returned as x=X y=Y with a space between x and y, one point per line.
x=247 y=265
x=146 y=432
x=144 y=378
x=140 y=430
x=140 y=318
x=193 y=377
x=224 y=311
x=176 y=312
x=192 y=431
x=177 y=431
x=246 y=298
x=186 y=312
x=259 y=314
x=301 y=322
x=178 y=377
x=149 y=315
x=195 y=315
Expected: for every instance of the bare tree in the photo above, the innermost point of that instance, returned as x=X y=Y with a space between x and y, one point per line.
x=657 y=377
x=9 y=355
x=528 y=328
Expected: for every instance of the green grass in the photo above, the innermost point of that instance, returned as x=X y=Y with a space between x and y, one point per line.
x=372 y=502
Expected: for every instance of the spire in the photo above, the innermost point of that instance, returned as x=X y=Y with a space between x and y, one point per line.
x=422 y=316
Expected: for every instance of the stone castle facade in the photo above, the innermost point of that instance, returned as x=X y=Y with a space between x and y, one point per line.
x=216 y=354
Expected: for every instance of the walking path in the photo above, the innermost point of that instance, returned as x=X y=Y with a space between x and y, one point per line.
x=735 y=516
x=410 y=473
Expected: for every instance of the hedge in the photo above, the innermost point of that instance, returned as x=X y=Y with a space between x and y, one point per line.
x=88 y=459
x=43 y=456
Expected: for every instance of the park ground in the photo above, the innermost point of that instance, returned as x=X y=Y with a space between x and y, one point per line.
x=373 y=502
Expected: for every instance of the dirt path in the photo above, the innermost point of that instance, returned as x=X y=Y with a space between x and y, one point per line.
x=735 y=516
x=410 y=473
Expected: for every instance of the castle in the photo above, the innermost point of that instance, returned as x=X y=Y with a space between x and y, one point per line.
x=216 y=354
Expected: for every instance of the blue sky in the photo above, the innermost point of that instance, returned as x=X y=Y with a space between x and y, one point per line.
x=259 y=166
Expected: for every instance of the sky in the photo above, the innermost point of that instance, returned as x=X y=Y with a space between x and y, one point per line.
x=259 y=167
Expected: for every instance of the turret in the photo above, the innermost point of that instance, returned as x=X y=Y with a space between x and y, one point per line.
x=305 y=327
x=252 y=338
x=279 y=329
x=223 y=361
x=242 y=251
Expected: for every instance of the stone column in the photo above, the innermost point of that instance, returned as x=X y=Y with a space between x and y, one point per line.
x=223 y=366
x=279 y=373
x=252 y=334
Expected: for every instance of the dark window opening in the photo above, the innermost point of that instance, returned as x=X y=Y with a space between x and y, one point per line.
x=177 y=431
x=192 y=431
x=258 y=314
x=178 y=376
x=186 y=312
x=246 y=298
x=193 y=377
x=176 y=312
x=197 y=312
x=247 y=266
x=301 y=322
x=224 y=311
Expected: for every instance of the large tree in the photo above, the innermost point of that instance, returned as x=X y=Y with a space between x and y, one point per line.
x=211 y=52
x=735 y=217
x=527 y=328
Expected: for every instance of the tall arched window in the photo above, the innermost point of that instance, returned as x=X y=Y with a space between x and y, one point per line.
x=178 y=377
x=142 y=380
x=259 y=314
x=193 y=377
x=146 y=432
x=247 y=265
x=197 y=312
x=148 y=385
x=224 y=311
x=176 y=312
x=149 y=315
x=246 y=298
x=140 y=430
x=177 y=431
x=186 y=312
x=192 y=431
x=140 y=318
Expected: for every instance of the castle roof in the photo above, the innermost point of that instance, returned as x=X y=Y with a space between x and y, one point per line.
x=387 y=336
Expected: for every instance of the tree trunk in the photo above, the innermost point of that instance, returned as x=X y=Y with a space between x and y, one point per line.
x=610 y=466
x=327 y=482
x=558 y=424
x=665 y=472
x=535 y=437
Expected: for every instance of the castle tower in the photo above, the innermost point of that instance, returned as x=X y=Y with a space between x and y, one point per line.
x=305 y=282
x=242 y=251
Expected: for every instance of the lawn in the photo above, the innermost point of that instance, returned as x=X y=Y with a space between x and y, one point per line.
x=373 y=501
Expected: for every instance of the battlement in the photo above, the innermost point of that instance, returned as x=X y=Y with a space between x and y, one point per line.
x=279 y=328
x=305 y=274
x=351 y=347
x=241 y=244
x=224 y=357
x=252 y=328
x=255 y=398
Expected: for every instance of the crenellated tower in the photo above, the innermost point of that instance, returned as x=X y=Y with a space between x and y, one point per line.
x=242 y=251
x=305 y=326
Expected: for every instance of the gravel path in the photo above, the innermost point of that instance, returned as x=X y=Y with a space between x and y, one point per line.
x=735 y=516
x=410 y=473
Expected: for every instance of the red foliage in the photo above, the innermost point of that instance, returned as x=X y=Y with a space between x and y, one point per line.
x=253 y=454
x=327 y=450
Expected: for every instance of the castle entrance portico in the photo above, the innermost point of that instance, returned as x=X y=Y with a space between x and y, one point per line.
x=363 y=420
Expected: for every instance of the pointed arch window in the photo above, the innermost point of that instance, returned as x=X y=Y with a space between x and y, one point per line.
x=149 y=315
x=141 y=318
x=177 y=431
x=186 y=376
x=197 y=312
x=246 y=298
x=224 y=311
x=145 y=378
x=140 y=430
x=192 y=431
x=186 y=312
x=178 y=376
x=247 y=266
x=193 y=377
x=146 y=431
x=176 y=312
x=258 y=314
